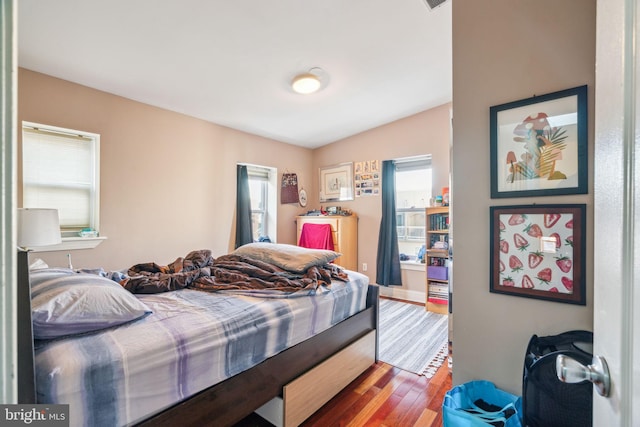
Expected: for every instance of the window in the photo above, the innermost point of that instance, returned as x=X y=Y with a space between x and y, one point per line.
x=60 y=170
x=263 y=201
x=413 y=191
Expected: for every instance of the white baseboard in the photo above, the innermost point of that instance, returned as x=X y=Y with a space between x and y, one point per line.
x=403 y=294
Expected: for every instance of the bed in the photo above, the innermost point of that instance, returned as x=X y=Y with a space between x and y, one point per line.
x=192 y=357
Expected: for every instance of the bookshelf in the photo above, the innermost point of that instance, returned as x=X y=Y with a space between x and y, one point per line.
x=437 y=259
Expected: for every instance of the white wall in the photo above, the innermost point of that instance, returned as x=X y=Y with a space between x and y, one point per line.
x=505 y=51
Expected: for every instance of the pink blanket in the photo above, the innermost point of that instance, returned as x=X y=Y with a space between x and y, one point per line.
x=316 y=236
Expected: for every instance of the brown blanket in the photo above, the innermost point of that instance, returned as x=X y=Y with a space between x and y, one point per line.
x=199 y=270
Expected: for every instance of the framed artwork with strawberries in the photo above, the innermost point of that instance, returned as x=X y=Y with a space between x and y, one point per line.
x=538 y=251
x=538 y=145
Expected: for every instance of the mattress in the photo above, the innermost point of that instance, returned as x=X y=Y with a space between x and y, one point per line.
x=193 y=340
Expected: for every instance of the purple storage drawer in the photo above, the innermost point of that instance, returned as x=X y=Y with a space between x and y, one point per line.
x=437 y=272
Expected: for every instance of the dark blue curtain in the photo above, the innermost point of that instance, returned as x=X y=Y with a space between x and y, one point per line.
x=388 y=261
x=244 y=233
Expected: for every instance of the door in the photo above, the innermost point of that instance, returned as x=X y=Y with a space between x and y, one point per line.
x=8 y=101
x=617 y=210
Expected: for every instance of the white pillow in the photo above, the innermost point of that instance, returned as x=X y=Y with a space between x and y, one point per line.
x=289 y=257
x=67 y=303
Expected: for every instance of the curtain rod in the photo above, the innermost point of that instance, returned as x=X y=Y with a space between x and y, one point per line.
x=413 y=158
x=51 y=132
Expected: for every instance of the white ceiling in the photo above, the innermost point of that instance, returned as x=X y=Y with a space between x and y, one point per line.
x=230 y=62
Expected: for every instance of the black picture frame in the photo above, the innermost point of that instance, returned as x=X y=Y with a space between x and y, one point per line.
x=538 y=145
x=538 y=251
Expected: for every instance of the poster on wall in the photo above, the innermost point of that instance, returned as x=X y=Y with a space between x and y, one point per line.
x=289 y=188
x=367 y=177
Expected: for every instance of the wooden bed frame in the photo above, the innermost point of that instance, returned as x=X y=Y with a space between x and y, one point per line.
x=230 y=401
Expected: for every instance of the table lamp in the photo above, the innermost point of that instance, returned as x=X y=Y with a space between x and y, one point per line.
x=38 y=227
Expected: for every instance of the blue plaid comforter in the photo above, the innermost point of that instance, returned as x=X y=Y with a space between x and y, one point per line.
x=192 y=340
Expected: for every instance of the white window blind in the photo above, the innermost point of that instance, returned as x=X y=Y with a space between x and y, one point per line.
x=60 y=169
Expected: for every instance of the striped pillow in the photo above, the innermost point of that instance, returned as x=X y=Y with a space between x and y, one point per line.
x=67 y=303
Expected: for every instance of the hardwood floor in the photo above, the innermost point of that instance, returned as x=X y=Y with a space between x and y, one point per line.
x=382 y=396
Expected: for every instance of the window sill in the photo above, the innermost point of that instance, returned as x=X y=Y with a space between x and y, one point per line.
x=412 y=265
x=72 y=243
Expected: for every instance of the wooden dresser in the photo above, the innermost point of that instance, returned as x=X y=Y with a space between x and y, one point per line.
x=345 y=236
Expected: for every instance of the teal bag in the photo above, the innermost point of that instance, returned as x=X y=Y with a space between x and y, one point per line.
x=480 y=404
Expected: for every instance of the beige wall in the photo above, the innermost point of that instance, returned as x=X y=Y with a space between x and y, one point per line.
x=424 y=133
x=167 y=180
x=505 y=51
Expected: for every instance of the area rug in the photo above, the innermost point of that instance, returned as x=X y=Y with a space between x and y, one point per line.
x=412 y=338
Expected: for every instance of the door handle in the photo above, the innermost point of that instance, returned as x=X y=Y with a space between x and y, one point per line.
x=571 y=371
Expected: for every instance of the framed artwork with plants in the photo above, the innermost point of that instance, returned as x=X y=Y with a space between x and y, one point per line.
x=538 y=145
x=538 y=251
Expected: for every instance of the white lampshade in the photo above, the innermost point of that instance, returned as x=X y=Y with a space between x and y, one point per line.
x=305 y=83
x=38 y=227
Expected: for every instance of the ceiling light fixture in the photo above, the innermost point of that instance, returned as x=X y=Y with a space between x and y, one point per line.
x=308 y=82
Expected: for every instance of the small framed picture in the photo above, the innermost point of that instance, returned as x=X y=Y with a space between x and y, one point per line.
x=336 y=183
x=538 y=145
x=538 y=251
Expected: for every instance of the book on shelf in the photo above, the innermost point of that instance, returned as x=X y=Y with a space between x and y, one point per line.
x=441 y=290
x=438 y=222
x=438 y=290
x=436 y=239
x=438 y=261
